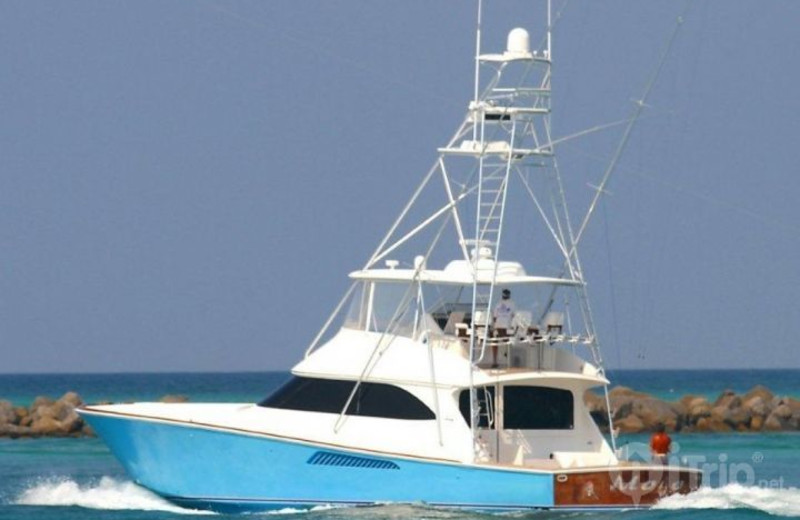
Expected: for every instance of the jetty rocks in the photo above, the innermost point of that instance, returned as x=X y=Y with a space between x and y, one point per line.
x=757 y=410
x=754 y=411
x=46 y=417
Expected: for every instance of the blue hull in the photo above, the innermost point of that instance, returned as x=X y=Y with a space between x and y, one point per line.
x=227 y=471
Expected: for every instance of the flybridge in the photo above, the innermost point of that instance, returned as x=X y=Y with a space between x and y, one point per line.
x=461 y=272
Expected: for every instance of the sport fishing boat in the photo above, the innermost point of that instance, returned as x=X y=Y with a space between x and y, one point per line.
x=452 y=372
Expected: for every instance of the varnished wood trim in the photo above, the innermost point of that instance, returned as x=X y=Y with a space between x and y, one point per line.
x=630 y=486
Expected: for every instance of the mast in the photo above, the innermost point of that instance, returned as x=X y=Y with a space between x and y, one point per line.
x=510 y=128
x=474 y=407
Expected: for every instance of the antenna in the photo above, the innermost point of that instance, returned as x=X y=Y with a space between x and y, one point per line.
x=640 y=104
x=549 y=31
x=478 y=52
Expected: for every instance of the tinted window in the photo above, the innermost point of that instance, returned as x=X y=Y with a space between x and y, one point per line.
x=330 y=396
x=311 y=395
x=537 y=408
x=486 y=406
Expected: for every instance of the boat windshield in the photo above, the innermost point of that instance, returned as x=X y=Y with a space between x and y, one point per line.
x=383 y=307
x=403 y=309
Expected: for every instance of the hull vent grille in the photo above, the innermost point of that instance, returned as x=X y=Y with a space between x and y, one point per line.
x=324 y=458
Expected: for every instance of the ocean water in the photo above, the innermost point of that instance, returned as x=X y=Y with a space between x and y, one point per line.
x=750 y=475
x=674 y=384
x=118 y=388
x=254 y=386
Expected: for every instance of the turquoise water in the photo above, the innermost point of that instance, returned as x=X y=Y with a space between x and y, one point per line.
x=751 y=475
x=674 y=384
x=95 y=388
x=253 y=386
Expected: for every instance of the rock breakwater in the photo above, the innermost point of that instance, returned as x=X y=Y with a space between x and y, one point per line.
x=633 y=412
x=47 y=417
x=754 y=411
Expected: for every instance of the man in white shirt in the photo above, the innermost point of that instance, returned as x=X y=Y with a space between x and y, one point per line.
x=503 y=316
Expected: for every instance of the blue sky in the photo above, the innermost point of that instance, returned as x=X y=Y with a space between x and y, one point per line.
x=184 y=185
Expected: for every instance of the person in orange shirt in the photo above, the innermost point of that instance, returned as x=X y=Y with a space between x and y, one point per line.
x=660 y=444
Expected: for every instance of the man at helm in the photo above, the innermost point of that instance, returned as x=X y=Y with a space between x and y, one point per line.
x=503 y=316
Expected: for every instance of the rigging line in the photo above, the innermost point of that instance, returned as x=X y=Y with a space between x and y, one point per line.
x=698 y=50
x=371 y=360
x=705 y=197
x=332 y=317
x=466 y=189
x=390 y=329
x=461 y=240
x=612 y=287
x=597 y=128
x=561 y=203
x=556 y=18
x=401 y=217
x=719 y=202
x=443 y=210
x=639 y=106
x=646 y=309
x=542 y=213
x=591 y=130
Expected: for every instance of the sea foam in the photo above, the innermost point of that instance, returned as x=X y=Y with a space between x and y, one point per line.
x=779 y=502
x=106 y=493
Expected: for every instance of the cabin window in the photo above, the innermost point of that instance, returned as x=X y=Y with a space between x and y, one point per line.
x=537 y=408
x=330 y=396
x=486 y=402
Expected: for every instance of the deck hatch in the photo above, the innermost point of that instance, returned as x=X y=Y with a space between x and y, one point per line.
x=325 y=458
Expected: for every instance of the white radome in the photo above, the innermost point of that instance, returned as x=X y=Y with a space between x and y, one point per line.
x=519 y=41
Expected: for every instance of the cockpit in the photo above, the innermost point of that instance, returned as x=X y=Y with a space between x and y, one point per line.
x=511 y=323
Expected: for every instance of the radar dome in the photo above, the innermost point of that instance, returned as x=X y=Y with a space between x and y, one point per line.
x=519 y=42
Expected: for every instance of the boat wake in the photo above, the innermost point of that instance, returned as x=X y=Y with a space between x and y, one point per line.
x=111 y=494
x=779 y=502
x=106 y=493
